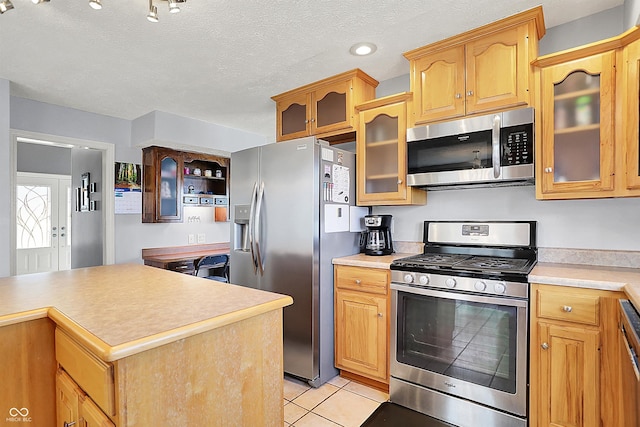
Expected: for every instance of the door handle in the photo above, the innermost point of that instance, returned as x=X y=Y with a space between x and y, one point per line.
x=252 y=211
x=495 y=146
x=257 y=228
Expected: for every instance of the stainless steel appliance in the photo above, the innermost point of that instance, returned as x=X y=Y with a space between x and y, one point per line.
x=459 y=334
x=495 y=149
x=629 y=348
x=290 y=217
x=378 y=239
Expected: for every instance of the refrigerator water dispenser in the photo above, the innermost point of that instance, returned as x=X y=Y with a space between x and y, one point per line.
x=241 y=225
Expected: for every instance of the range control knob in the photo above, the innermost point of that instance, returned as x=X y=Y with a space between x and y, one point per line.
x=450 y=282
x=424 y=280
x=480 y=285
x=500 y=288
x=408 y=278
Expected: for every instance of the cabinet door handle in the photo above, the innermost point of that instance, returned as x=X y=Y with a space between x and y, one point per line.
x=567 y=308
x=545 y=346
x=71 y=424
x=470 y=93
x=379 y=314
x=458 y=96
x=358 y=281
x=313 y=120
x=548 y=170
x=399 y=182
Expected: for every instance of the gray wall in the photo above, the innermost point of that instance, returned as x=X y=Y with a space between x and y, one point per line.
x=39 y=158
x=590 y=224
x=5 y=191
x=87 y=236
x=631 y=13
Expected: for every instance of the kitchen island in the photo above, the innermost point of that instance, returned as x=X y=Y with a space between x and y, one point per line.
x=145 y=345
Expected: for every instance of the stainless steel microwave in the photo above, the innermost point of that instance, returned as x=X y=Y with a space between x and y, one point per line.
x=495 y=149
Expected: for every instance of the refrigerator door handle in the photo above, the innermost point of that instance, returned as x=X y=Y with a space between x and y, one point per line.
x=257 y=229
x=251 y=227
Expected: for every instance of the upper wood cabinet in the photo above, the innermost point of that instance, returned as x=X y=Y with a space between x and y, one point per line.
x=587 y=121
x=324 y=108
x=381 y=148
x=482 y=70
x=175 y=179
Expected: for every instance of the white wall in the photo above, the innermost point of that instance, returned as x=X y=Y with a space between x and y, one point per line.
x=5 y=191
x=631 y=13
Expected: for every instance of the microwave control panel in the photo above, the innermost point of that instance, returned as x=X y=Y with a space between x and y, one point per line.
x=517 y=145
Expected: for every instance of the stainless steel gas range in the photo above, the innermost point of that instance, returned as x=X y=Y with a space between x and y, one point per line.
x=459 y=335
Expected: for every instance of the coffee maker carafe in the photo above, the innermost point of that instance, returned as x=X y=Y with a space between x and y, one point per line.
x=378 y=235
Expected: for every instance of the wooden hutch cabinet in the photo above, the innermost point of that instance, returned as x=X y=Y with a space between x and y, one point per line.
x=381 y=148
x=177 y=179
x=587 y=121
x=482 y=70
x=325 y=108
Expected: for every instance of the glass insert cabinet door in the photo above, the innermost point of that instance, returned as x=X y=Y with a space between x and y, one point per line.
x=382 y=153
x=578 y=124
x=169 y=197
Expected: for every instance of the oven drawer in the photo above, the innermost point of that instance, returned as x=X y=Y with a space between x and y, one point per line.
x=569 y=307
x=372 y=280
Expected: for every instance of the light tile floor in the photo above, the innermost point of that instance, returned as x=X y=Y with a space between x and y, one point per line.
x=338 y=403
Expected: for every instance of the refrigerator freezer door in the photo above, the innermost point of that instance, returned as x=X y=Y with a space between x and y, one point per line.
x=244 y=177
x=289 y=228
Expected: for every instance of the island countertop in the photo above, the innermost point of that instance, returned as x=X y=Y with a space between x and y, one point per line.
x=120 y=310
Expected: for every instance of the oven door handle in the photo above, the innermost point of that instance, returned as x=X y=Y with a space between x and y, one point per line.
x=495 y=146
x=511 y=302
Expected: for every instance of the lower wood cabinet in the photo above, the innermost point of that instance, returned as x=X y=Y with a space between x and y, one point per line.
x=362 y=325
x=574 y=373
x=74 y=407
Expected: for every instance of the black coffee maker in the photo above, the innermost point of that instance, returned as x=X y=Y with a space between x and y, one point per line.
x=378 y=235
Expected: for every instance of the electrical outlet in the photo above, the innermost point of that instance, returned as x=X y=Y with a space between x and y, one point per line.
x=192 y=239
x=200 y=237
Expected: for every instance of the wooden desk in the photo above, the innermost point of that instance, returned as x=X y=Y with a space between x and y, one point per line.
x=182 y=258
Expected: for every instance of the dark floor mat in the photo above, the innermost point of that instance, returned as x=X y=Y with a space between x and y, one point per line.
x=391 y=415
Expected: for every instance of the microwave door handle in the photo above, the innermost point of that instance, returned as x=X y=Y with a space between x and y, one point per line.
x=495 y=146
x=251 y=226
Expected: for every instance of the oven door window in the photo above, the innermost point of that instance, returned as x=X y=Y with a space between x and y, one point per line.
x=470 y=341
x=450 y=153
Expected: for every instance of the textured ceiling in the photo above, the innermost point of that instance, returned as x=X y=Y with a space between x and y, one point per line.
x=221 y=61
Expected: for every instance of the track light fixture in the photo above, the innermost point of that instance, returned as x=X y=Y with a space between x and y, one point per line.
x=97 y=4
x=5 y=5
x=153 y=12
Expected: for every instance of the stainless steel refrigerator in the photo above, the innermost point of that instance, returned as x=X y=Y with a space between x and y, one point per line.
x=290 y=217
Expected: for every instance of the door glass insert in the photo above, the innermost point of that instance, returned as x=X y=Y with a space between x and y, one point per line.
x=470 y=341
x=577 y=128
x=381 y=158
x=168 y=187
x=331 y=109
x=294 y=119
x=33 y=217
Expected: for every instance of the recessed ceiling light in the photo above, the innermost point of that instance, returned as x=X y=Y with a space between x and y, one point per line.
x=363 y=49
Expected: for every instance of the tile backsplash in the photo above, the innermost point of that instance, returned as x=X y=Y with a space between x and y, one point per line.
x=590 y=257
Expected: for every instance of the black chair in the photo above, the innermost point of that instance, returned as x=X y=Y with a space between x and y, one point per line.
x=219 y=264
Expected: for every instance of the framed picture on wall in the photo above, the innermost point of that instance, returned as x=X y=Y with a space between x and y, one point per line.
x=85 y=199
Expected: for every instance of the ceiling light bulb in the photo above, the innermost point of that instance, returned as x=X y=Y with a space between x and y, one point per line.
x=96 y=4
x=153 y=14
x=362 y=49
x=38 y=1
x=5 y=5
x=173 y=6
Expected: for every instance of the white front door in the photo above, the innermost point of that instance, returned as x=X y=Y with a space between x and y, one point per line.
x=43 y=221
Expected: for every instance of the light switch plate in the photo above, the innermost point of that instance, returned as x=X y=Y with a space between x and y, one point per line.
x=192 y=239
x=201 y=238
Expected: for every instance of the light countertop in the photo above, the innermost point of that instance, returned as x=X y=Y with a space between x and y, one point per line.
x=371 y=261
x=119 y=310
